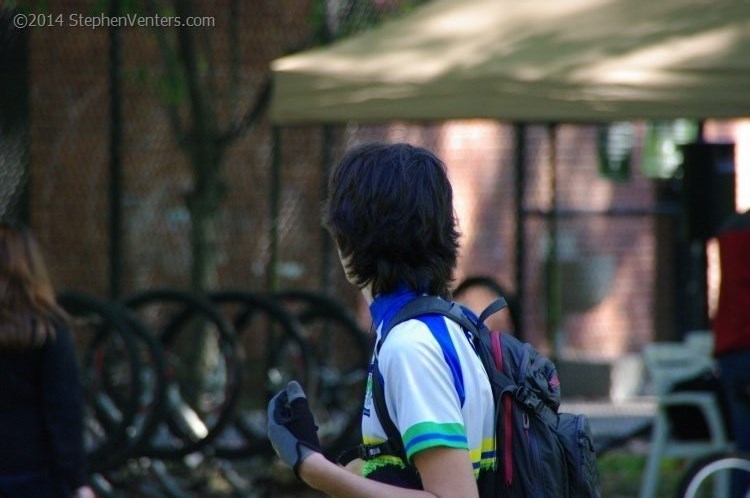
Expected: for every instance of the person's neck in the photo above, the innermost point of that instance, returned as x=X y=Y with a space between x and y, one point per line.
x=367 y=292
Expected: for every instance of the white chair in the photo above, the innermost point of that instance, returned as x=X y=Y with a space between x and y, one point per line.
x=701 y=340
x=668 y=363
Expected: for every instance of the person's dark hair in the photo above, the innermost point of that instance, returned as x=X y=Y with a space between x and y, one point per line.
x=28 y=309
x=390 y=211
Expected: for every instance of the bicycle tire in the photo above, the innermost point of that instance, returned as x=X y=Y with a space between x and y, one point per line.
x=187 y=427
x=247 y=436
x=108 y=414
x=707 y=468
x=151 y=406
x=342 y=352
x=152 y=380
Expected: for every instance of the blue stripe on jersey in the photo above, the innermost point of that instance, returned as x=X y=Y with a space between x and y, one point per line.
x=439 y=330
x=385 y=306
x=460 y=438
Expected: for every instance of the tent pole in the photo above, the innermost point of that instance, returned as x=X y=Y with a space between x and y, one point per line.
x=520 y=163
x=554 y=313
x=115 y=156
x=274 y=208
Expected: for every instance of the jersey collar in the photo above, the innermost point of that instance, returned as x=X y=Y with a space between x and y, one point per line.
x=385 y=306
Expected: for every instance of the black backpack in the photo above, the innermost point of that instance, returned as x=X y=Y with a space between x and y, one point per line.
x=540 y=453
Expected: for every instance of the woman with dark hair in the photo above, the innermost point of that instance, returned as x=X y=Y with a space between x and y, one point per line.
x=41 y=414
x=390 y=212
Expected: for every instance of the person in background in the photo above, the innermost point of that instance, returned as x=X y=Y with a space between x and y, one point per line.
x=390 y=212
x=41 y=407
x=731 y=328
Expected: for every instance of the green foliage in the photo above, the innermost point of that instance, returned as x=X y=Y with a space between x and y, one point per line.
x=41 y=7
x=354 y=16
x=138 y=75
x=171 y=90
x=318 y=22
x=126 y=7
x=621 y=472
x=616 y=142
x=661 y=151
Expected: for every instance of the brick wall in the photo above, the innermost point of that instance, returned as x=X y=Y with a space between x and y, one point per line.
x=69 y=166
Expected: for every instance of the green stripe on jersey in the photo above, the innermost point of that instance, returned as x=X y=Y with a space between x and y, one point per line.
x=431 y=434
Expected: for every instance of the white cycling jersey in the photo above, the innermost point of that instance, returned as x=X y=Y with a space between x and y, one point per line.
x=436 y=390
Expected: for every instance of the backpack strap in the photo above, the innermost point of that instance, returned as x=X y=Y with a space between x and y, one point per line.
x=495 y=306
x=421 y=305
x=394 y=445
x=425 y=305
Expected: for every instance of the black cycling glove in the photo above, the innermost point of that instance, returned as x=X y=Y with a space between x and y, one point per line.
x=291 y=426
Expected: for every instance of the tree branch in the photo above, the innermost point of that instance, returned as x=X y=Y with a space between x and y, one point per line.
x=172 y=74
x=234 y=52
x=251 y=116
x=203 y=122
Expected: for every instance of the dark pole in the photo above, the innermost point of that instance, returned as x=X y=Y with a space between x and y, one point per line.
x=20 y=63
x=275 y=208
x=326 y=262
x=520 y=164
x=697 y=286
x=115 y=156
x=14 y=119
x=327 y=35
x=554 y=315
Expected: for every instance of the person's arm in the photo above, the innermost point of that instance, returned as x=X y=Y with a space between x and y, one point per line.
x=356 y=466
x=63 y=409
x=445 y=473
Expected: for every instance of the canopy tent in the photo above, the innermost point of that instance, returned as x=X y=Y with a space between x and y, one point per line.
x=525 y=61
x=530 y=60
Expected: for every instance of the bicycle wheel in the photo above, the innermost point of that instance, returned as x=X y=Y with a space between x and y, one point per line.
x=477 y=292
x=151 y=403
x=709 y=477
x=202 y=369
x=110 y=377
x=274 y=353
x=342 y=353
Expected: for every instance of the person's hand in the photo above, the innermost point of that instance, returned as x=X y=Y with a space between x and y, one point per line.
x=85 y=492
x=291 y=426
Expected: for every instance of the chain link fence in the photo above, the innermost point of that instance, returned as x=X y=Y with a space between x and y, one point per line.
x=606 y=228
x=13 y=119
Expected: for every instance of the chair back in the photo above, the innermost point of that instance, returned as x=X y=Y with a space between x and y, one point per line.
x=670 y=362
